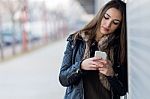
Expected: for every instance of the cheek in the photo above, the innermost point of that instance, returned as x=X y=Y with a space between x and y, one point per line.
x=114 y=27
x=102 y=22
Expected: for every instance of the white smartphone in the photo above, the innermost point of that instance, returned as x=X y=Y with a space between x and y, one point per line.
x=101 y=54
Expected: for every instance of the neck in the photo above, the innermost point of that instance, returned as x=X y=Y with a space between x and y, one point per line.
x=98 y=36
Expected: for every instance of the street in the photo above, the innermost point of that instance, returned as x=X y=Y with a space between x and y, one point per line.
x=33 y=75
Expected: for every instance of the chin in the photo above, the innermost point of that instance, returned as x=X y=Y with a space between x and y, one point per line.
x=103 y=32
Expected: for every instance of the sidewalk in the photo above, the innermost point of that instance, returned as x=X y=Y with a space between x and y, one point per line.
x=33 y=75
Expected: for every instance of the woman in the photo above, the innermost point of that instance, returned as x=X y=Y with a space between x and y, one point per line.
x=90 y=77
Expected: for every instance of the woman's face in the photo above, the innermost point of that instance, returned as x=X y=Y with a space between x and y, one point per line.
x=110 y=21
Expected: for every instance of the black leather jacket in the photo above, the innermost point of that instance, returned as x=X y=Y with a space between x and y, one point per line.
x=71 y=75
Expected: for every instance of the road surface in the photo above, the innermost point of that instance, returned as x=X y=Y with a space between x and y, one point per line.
x=33 y=75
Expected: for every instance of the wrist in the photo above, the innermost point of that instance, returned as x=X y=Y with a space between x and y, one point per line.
x=82 y=64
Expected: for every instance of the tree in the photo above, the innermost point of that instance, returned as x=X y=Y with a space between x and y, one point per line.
x=11 y=7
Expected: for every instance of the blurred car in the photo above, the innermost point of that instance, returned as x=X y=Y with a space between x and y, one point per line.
x=8 y=39
x=32 y=37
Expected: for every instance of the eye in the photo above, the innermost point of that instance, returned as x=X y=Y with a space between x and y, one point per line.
x=116 y=22
x=106 y=17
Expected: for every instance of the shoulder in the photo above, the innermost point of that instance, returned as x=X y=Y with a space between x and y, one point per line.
x=75 y=38
x=70 y=37
x=75 y=45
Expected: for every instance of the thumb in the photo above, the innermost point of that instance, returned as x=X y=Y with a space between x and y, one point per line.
x=95 y=58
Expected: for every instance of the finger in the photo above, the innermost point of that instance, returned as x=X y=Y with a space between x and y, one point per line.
x=100 y=65
x=101 y=69
x=103 y=72
x=94 y=66
x=94 y=63
x=103 y=61
x=95 y=58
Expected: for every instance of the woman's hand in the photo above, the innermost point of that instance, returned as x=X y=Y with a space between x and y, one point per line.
x=91 y=64
x=94 y=63
x=106 y=68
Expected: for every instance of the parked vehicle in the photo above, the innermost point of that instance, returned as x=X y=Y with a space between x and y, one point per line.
x=9 y=39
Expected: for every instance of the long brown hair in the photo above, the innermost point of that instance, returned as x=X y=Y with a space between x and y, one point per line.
x=91 y=28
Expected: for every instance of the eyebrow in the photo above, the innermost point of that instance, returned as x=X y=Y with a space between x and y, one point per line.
x=114 y=19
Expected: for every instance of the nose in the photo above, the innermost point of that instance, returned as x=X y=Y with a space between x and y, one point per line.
x=108 y=23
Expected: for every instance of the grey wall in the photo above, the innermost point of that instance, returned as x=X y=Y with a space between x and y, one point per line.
x=138 y=18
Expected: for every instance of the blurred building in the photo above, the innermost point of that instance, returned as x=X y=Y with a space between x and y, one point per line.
x=88 y=5
x=93 y=6
x=99 y=4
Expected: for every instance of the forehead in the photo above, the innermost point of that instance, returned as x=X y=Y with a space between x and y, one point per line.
x=114 y=13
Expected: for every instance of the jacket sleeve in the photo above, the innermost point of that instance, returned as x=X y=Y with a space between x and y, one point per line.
x=69 y=73
x=119 y=82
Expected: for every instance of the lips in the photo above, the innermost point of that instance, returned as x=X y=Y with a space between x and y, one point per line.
x=105 y=29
